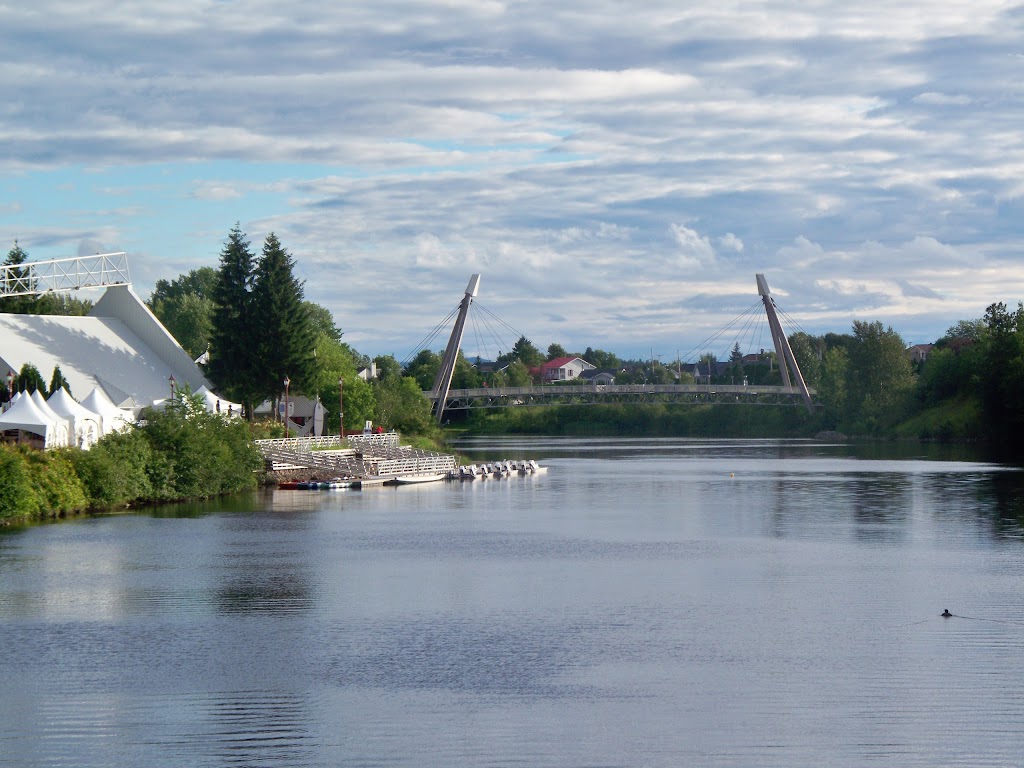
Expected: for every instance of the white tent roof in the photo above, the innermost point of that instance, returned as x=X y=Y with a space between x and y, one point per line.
x=113 y=418
x=84 y=422
x=63 y=425
x=120 y=346
x=211 y=401
x=25 y=414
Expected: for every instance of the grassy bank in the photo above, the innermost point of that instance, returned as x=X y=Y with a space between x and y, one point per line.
x=655 y=420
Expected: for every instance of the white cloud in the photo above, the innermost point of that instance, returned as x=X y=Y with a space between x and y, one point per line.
x=694 y=249
x=867 y=157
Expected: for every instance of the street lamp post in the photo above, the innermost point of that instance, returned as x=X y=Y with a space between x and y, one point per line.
x=172 y=382
x=287 y=381
x=341 y=409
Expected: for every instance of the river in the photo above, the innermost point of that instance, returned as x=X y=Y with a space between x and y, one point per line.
x=643 y=603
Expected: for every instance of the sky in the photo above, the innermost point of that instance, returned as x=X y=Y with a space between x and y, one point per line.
x=617 y=173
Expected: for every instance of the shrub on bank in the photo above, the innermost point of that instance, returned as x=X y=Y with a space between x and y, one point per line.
x=181 y=453
x=34 y=484
x=116 y=471
x=17 y=498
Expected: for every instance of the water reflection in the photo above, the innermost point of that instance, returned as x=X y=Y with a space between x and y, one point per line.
x=657 y=602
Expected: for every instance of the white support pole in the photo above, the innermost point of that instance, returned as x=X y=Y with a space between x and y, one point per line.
x=443 y=381
x=787 y=360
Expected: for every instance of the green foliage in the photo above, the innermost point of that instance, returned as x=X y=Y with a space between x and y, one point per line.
x=115 y=470
x=57 y=487
x=601 y=359
x=518 y=375
x=465 y=376
x=809 y=352
x=557 y=350
x=283 y=332
x=58 y=304
x=189 y=319
x=655 y=420
x=196 y=454
x=387 y=368
x=358 y=402
x=58 y=381
x=1003 y=372
x=402 y=406
x=322 y=321
x=233 y=354
x=30 y=380
x=17 y=497
x=38 y=484
x=16 y=304
x=423 y=368
x=524 y=351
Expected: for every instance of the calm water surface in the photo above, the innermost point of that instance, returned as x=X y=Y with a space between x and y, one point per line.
x=644 y=603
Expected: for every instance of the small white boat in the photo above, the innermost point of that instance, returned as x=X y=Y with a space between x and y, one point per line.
x=411 y=479
x=335 y=484
x=535 y=468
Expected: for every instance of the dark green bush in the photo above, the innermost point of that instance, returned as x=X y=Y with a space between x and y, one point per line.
x=17 y=497
x=115 y=470
x=56 y=487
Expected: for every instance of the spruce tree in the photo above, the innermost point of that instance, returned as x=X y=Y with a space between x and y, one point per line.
x=57 y=381
x=285 y=338
x=233 y=336
x=15 y=279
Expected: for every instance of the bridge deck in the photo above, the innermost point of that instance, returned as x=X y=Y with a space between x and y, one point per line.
x=594 y=394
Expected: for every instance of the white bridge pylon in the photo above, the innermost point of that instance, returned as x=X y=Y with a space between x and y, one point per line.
x=443 y=380
x=787 y=360
x=32 y=278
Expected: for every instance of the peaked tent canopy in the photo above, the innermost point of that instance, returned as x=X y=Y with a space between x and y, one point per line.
x=25 y=415
x=85 y=424
x=113 y=419
x=63 y=425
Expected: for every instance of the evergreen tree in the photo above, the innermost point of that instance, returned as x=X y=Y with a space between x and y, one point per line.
x=285 y=339
x=233 y=334
x=15 y=281
x=57 y=381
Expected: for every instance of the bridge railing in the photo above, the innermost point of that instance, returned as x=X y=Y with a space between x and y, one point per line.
x=624 y=389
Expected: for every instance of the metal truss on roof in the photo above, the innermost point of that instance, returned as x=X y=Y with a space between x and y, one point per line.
x=38 y=277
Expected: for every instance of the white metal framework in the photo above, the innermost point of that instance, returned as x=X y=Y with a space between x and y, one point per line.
x=36 y=277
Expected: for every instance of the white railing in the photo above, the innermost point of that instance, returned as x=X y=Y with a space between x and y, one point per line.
x=36 y=277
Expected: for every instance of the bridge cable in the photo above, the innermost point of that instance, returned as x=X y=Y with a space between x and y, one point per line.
x=426 y=341
x=713 y=338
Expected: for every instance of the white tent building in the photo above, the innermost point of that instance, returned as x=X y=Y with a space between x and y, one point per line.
x=216 y=404
x=120 y=346
x=26 y=416
x=85 y=425
x=112 y=418
x=63 y=424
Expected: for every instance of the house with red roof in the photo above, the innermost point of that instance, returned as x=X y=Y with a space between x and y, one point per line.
x=564 y=369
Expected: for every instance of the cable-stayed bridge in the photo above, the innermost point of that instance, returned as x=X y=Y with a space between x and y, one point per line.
x=792 y=391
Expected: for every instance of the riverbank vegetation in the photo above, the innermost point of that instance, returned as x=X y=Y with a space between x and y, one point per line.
x=181 y=452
